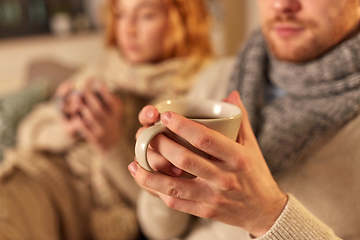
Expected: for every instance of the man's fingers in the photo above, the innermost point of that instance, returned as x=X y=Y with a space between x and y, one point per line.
x=186 y=195
x=148 y=115
x=191 y=207
x=161 y=164
x=246 y=135
x=203 y=138
x=158 y=162
x=189 y=189
x=183 y=158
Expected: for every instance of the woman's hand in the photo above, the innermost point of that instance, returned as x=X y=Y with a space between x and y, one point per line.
x=235 y=186
x=68 y=102
x=95 y=116
x=100 y=114
x=64 y=98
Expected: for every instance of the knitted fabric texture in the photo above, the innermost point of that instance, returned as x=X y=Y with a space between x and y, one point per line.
x=118 y=221
x=296 y=222
x=322 y=96
x=172 y=77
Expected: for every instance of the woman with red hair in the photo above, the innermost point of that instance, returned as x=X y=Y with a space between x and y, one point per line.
x=67 y=178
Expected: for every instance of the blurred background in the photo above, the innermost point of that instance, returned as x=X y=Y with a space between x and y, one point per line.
x=60 y=36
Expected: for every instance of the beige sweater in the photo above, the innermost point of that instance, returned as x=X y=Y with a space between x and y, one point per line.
x=324 y=191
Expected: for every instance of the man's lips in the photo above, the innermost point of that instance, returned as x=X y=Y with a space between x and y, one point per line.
x=286 y=31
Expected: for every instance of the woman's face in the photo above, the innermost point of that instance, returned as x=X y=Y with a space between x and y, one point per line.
x=140 y=29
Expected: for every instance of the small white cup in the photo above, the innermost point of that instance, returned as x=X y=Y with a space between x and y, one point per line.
x=222 y=117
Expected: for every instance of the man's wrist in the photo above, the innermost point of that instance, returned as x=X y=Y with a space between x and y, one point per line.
x=274 y=213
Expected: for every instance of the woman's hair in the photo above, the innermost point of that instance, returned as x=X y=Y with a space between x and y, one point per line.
x=188 y=33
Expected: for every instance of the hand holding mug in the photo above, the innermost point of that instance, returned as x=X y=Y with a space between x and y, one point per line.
x=234 y=186
x=222 y=117
x=94 y=113
x=101 y=115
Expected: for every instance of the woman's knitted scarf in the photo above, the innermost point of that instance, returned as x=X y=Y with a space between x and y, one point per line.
x=166 y=79
x=321 y=96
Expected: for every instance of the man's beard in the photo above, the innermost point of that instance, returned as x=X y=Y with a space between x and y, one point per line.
x=300 y=48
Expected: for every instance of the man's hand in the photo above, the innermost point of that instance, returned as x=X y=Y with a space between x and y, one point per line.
x=235 y=186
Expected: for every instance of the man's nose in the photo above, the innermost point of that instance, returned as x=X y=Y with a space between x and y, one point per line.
x=287 y=6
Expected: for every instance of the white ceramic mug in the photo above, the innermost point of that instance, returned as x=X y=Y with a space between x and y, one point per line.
x=222 y=117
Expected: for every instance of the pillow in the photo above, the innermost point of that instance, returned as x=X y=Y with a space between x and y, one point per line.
x=42 y=78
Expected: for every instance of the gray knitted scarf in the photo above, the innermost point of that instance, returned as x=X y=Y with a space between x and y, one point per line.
x=322 y=96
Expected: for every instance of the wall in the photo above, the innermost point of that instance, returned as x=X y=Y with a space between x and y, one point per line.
x=240 y=19
x=77 y=50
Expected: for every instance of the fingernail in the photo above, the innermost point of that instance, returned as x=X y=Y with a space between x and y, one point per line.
x=150 y=114
x=165 y=117
x=176 y=171
x=133 y=168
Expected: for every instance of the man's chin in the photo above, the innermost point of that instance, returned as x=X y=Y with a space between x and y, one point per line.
x=292 y=52
x=289 y=49
x=293 y=57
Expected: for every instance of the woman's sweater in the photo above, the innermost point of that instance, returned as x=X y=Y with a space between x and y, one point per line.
x=53 y=187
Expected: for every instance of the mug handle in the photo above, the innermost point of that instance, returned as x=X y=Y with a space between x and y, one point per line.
x=142 y=143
